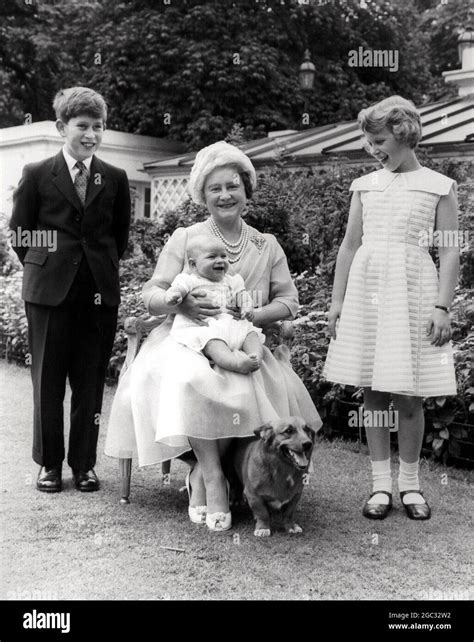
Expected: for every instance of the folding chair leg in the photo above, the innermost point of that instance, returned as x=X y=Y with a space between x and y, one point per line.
x=165 y=472
x=125 y=466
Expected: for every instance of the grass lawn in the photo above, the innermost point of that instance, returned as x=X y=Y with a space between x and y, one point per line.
x=52 y=545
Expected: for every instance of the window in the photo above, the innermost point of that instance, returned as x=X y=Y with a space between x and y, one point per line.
x=146 y=205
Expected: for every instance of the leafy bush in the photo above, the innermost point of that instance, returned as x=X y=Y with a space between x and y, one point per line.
x=310 y=348
x=9 y=262
x=307 y=211
x=304 y=209
x=13 y=323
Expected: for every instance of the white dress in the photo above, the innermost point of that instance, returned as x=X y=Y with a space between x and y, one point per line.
x=222 y=326
x=171 y=393
x=392 y=290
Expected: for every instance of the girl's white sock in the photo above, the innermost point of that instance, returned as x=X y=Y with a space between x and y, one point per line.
x=408 y=480
x=381 y=480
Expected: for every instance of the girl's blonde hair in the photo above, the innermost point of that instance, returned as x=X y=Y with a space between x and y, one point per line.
x=398 y=114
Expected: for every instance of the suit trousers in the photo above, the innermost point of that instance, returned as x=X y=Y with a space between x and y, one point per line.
x=72 y=340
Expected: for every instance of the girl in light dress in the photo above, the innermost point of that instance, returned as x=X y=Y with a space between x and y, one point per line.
x=233 y=344
x=389 y=316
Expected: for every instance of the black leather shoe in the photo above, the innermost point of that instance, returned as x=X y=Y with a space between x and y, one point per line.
x=49 y=479
x=86 y=481
x=416 y=511
x=378 y=511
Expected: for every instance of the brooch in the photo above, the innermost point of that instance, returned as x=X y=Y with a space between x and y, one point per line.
x=258 y=241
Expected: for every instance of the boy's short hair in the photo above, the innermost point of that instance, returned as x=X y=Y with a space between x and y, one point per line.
x=398 y=114
x=77 y=101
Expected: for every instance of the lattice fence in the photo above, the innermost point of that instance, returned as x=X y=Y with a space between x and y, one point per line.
x=166 y=194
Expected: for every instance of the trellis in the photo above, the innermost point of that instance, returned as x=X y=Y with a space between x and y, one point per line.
x=166 y=194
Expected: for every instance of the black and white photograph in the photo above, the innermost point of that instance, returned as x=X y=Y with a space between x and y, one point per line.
x=236 y=321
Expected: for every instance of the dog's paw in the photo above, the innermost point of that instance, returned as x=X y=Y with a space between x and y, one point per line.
x=262 y=532
x=294 y=529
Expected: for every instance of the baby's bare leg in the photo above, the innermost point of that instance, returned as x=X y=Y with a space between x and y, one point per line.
x=223 y=356
x=253 y=347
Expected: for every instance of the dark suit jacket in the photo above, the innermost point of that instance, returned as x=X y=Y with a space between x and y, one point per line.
x=46 y=199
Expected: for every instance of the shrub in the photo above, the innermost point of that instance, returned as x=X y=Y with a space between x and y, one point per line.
x=307 y=211
x=13 y=323
x=9 y=262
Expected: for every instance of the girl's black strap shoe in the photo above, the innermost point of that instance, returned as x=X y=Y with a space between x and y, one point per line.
x=416 y=511
x=378 y=511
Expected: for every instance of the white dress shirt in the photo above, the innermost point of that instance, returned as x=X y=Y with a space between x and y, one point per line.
x=71 y=162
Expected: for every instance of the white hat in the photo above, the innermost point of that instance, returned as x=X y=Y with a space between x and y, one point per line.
x=209 y=158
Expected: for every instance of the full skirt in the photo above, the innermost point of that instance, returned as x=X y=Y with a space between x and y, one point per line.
x=171 y=393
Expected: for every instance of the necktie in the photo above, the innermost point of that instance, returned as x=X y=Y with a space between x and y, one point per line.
x=81 y=180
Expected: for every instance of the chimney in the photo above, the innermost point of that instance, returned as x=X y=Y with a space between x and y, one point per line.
x=464 y=77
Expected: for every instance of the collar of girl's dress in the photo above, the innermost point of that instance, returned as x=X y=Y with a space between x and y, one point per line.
x=421 y=180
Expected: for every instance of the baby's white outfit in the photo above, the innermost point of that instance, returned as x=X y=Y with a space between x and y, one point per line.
x=223 y=326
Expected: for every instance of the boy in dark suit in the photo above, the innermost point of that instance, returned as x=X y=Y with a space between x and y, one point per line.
x=71 y=286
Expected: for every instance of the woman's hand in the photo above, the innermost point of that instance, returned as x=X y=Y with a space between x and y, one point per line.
x=438 y=328
x=197 y=306
x=333 y=316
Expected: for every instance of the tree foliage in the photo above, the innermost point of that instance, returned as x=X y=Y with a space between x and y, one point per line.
x=444 y=22
x=189 y=70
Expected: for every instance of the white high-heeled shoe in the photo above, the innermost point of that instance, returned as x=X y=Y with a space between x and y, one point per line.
x=219 y=522
x=197 y=514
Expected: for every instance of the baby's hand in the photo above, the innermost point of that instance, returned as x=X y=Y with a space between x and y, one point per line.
x=173 y=298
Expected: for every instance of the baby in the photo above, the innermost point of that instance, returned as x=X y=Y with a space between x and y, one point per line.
x=230 y=343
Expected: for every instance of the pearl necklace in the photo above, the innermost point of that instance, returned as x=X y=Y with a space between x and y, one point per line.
x=234 y=249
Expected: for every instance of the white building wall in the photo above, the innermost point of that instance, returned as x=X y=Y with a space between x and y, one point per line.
x=37 y=141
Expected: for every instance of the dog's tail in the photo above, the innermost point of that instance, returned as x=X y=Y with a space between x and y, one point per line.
x=282 y=353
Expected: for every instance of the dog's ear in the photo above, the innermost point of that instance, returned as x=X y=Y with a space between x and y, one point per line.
x=265 y=431
x=310 y=431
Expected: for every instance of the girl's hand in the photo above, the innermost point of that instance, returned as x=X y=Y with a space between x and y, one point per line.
x=438 y=328
x=333 y=316
x=247 y=313
x=198 y=307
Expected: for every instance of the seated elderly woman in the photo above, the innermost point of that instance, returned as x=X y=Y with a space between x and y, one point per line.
x=172 y=399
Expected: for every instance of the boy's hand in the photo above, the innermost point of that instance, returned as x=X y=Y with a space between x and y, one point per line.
x=438 y=329
x=173 y=298
x=333 y=316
